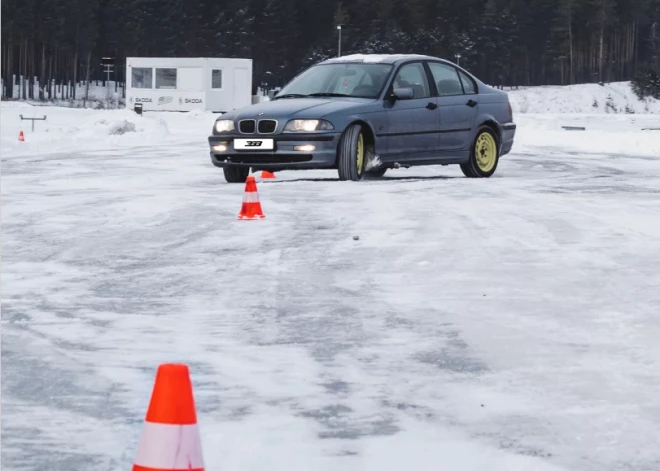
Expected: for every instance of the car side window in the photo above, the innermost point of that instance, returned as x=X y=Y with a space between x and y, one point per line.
x=468 y=84
x=446 y=79
x=413 y=76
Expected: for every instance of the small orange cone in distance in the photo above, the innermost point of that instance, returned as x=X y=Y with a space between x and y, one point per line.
x=267 y=174
x=21 y=137
x=251 y=208
x=170 y=437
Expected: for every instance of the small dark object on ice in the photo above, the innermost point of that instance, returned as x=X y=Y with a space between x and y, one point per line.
x=356 y=237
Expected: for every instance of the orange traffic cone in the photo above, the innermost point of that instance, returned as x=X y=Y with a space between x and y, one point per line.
x=21 y=137
x=170 y=437
x=267 y=174
x=251 y=208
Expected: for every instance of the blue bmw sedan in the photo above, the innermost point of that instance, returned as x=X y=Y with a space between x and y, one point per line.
x=363 y=114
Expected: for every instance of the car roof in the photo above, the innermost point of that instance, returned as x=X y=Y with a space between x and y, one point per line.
x=379 y=58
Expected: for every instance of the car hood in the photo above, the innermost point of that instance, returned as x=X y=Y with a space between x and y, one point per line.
x=296 y=108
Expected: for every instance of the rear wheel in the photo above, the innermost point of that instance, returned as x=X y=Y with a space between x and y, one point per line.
x=236 y=174
x=351 y=158
x=484 y=155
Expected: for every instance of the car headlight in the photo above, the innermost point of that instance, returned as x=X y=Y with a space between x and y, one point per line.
x=308 y=125
x=224 y=125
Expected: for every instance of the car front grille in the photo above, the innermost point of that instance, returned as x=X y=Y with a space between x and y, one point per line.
x=247 y=126
x=267 y=126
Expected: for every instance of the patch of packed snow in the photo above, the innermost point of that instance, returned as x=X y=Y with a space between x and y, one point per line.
x=122 y=127
x=507 y=324
x=196 y=114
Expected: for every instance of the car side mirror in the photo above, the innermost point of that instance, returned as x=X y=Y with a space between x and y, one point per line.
x=405 y=93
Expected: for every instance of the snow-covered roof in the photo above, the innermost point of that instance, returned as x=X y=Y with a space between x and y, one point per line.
x=384 y=58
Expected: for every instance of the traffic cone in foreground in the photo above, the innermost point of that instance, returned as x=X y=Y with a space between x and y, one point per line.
x=267 y=174
x=170 y=437
x=21 y=137
x=251 y=208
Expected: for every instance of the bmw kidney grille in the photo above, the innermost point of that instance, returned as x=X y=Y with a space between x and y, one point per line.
x=267 y=126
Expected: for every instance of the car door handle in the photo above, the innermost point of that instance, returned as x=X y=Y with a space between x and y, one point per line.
x=471 y=103
x=431 y=106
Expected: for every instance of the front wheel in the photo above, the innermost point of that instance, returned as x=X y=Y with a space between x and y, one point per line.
x=376 y=173
x=236 y=174
x=484 y=155
x=351 y=158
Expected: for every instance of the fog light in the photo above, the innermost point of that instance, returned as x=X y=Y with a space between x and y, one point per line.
x=220 y=147
x=305 y=148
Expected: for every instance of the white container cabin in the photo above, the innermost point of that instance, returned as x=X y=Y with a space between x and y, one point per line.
x=191 y=83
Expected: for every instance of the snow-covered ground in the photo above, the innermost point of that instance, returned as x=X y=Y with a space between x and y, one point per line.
x=503 y=324
x=611 y=98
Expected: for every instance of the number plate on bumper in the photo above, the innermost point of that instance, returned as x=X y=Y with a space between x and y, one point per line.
x=254 y=144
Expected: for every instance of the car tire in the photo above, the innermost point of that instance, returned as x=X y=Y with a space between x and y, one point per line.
x=236 y=174
x=352 y=154
x=484 y=154
x=376 y=173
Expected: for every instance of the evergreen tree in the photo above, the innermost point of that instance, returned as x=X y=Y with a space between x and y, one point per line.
x=508 y=42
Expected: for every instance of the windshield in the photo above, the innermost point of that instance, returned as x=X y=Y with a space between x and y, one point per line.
x=356 y=80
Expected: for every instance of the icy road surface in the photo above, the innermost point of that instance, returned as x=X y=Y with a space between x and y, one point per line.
x=508 y=324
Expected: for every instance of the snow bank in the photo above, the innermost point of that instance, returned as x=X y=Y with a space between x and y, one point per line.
x=614 y=98
x=67 y=129
x=194 y=114
x=603 y=135
x=614 y=125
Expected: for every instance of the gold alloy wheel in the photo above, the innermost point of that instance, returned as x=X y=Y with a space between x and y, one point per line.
x=360 y=153
x=485 y=149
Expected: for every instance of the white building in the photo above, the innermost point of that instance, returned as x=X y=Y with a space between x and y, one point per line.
x=184 y=84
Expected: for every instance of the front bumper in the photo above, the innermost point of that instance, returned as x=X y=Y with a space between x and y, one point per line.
x=282 y=157
x=508 y=133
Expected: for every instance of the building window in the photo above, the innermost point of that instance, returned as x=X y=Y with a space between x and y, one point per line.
x=141 y=78
x=166 y=78
x=216 y=78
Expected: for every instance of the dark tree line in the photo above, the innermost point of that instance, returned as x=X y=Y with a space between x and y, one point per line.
x=504 y=42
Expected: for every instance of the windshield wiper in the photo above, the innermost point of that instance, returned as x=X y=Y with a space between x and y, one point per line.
x=290 y=95
x=328 y=94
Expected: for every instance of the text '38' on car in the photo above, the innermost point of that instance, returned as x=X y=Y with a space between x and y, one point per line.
x=363 y=114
